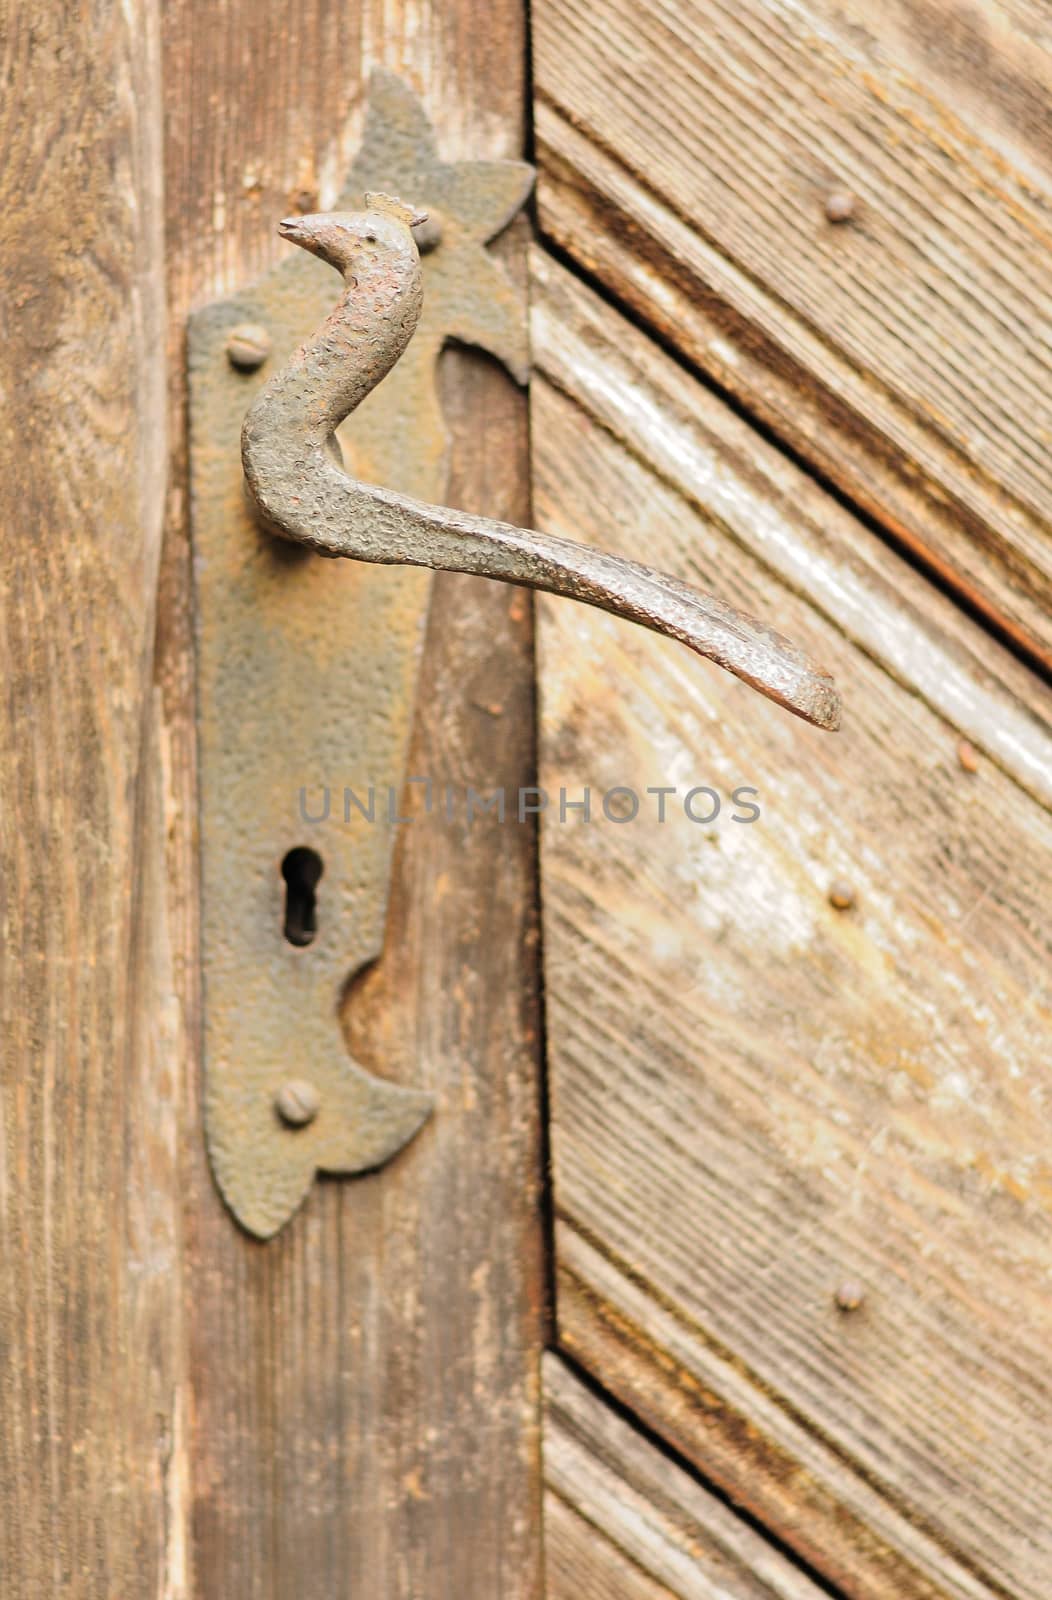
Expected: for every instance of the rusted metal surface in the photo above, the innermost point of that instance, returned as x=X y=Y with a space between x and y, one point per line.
x=306 y=674
x=303 y=493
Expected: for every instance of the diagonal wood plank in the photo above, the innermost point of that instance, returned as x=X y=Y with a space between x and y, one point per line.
x=687 y=153
x=620 y=1518
x=758 y=1097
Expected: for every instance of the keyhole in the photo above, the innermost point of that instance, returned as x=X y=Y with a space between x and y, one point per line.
x=301 y=870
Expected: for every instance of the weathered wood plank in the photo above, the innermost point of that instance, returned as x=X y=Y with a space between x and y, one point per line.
x=757 y=1096
x=367 y=1384
x=581 y=1563
x=620 y=1518
x=706 y=453
x=686 y=156
x=92 y=1390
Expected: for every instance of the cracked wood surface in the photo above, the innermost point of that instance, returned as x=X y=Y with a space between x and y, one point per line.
x=92 y=1398
x=686 y=153
x=757 y=1097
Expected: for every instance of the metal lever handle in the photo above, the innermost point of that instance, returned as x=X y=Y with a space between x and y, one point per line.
x=302 y=494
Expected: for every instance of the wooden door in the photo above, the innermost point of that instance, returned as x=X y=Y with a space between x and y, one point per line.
x=352 y=1408
x=786 y=326
x=726 y=1270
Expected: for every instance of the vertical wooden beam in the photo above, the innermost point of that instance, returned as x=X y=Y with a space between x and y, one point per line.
x=366 y=1385
x=89 y=1251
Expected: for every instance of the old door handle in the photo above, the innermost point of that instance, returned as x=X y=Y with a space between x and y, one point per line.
x=303 y=494
x=286 y=700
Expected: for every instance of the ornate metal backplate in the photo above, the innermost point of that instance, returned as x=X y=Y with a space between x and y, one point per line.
x=306 y=678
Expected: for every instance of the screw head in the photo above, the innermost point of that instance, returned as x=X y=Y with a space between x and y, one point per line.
x=849 y=1296
x=297 y=1102
x=842 y=895
x=247 y=346
x=840 y=206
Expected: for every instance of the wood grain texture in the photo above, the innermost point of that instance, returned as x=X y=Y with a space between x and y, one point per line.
x=366 y=1386
x=686 y=154
x=621 y=1519
x=92 y=1391
x=756 y=1096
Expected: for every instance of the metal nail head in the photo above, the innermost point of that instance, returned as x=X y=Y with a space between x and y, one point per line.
x=247 y=346
x=849 y=1296
x=840 y=206
x=297 y=1102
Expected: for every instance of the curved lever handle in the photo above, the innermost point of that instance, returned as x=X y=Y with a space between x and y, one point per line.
x=302 y=493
